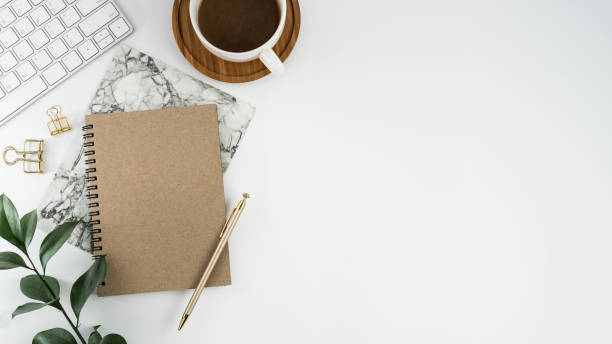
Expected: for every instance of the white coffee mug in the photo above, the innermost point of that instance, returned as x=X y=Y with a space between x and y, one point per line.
x=264 y=52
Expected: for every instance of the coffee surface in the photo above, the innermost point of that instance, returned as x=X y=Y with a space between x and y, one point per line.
x=238 y=25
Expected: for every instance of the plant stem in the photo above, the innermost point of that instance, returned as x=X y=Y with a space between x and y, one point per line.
x=74 y=328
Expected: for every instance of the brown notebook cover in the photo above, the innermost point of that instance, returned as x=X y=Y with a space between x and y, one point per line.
x=159 y=186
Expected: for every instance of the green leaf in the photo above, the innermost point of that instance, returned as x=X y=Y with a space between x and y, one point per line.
x=28 y=307
x=86 y=284
x=54 y=241
x=11 y=260
x=95 y=337
x=28 y=226
x=5 y=228
x=12 y=217
x=34 y=288
x=54 y=336
x=113 y=339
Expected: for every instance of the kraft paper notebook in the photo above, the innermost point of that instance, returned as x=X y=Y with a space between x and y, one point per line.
x=156 y=197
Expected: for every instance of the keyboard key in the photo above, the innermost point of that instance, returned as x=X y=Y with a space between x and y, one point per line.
x=39 y=39
x=98 y=19
x=21 y=7
x=54 y=28
x=23 y=26
x=119 y=27
x=25 y=71
x=10 y=82
x=21 y=96
x=86 y=6
x=40 y=15
x=2 y=94
x=101 y=35
x=103 y=38
x=73 y=37
x=8 y=37
x=54 y=73
x=55 y=6
x=41 y=60
x=23 y=50
x=72 y=60
x=88 y=49
x=70 y=17
x=4 y=2
x=36 y=2
x=57 y=48
x=7 y=61
x=6 y=17
x=106 y=41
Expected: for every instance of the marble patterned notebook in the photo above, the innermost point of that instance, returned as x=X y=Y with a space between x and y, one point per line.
x=135 y=81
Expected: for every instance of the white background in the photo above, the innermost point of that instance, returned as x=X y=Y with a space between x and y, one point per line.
x=424 y=172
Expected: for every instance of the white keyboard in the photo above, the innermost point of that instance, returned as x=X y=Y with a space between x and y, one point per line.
x=43 y=42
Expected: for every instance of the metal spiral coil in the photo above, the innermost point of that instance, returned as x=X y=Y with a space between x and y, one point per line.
x=93 y=225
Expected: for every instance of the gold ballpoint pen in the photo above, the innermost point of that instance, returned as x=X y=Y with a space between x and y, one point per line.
x=225 y=234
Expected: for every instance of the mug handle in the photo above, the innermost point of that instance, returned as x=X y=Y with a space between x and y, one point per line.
x=271 y=61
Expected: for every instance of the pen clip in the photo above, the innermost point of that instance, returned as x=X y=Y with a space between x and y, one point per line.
x=226 y=225
x=237 y=209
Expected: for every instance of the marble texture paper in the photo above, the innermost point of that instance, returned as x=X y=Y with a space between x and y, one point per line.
x=136 y=81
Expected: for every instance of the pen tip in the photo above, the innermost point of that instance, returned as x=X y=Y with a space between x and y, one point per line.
x=183 y=320
x=246 y=195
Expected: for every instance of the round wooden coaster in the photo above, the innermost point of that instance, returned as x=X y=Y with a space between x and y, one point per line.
x=222 y=70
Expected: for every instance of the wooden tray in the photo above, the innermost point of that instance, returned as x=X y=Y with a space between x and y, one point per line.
x=222 y=70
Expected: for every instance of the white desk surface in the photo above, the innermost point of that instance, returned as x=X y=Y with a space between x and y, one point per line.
x=425 y=172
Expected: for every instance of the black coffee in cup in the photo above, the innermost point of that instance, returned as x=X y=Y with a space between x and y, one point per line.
x=238 y=25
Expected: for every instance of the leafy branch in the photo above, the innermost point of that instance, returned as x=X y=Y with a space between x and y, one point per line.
x=43 y=288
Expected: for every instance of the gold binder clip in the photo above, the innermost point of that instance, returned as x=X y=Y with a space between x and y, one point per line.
x=31 y=156
x=58 y=124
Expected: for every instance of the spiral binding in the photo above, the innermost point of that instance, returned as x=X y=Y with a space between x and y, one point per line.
x=93 y=225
